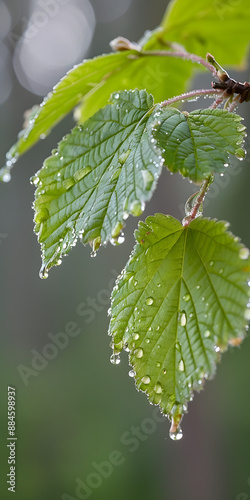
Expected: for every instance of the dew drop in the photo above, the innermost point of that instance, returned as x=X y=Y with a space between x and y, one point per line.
x=131 y=373
x=43 y=274
x=80 y=174
x=115 y=359
x=176 y=435
x=244 y=253
x=190 y=204
x=34 y=180
x=117 y=229
x=123 y=157
x=217 y=348
x=183 y=318
x=145 y=380
x=158 y=364
x=116 y=96
x=211 y=263
x=149 y=301
x=181 y=366
x=247 y=314
x=6 y=177
x=198 y=287
x=207 y=333
x=158 y=388
x=136 y=336
x=136 y=208
x=186 y=297
x=148 y=179
x=138 y=353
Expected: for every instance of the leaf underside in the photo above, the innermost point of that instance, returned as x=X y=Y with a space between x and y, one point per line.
x=180 y=300
x=102 y=172
x=197 y=144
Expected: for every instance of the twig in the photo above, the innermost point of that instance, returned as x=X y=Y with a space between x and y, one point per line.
x=189 y=95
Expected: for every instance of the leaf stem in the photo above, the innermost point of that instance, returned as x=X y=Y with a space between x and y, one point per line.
x=200 y=198
x=182 y=55
x=189 y=95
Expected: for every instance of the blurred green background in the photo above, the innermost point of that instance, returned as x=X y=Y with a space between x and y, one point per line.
x=79 y=408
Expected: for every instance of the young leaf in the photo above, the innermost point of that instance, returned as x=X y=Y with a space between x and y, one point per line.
x=181 y=299
x=91 y=83
x=162 y=77
x=102 y=171
x=64 y=97
x=209 y=26
x=197 y=144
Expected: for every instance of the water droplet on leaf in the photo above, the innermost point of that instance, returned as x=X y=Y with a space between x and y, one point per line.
x=145 y=380
x=181 y=366
x=148 y=179
x=138 y=353
x=244 y=253
x=136 y=208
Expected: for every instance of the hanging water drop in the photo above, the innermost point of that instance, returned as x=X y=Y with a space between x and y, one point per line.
x=43 y=274
x=6 y=177
x=115 y=359
x=136 y=208
x=131 y=373
x=190 y=204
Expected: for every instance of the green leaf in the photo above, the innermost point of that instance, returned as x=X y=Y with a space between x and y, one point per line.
x=102 y=172
x=64 y=97
x=197 y=144
x=180 y=300
x=162 y=77
x=91 y=83
x=220 y=27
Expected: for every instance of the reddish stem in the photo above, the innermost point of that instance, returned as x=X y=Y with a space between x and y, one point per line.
x=189 y=95
x=182 y=55
x=199 y=201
